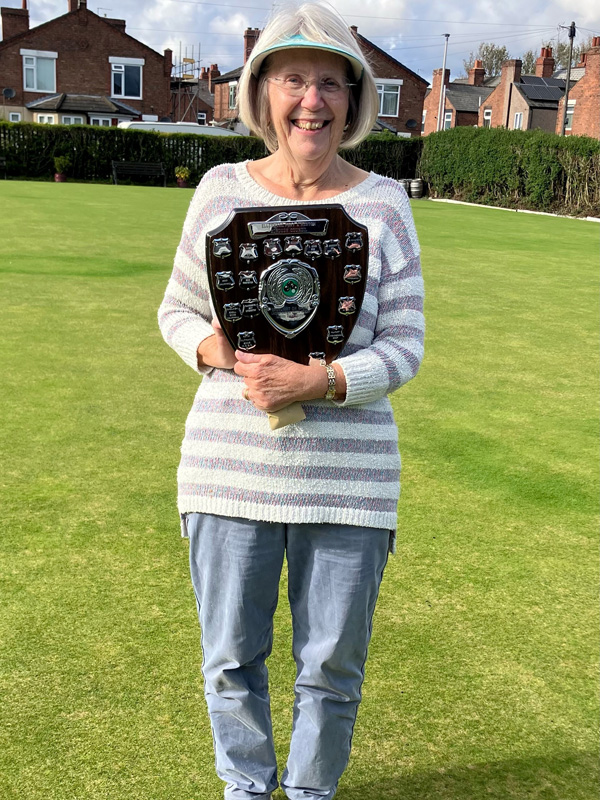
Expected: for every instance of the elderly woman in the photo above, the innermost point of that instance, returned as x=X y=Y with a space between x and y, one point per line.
x=321 y=493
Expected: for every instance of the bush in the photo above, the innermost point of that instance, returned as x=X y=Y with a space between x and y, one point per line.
x=30 y=149
x=529 y=169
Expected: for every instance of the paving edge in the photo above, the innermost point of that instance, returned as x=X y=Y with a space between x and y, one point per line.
x=518 y=210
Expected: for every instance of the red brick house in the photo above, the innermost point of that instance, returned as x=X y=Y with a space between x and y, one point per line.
x=80 y=68
x=401 y=91
x=463 y=99
x=524 y=102
x=583 y=108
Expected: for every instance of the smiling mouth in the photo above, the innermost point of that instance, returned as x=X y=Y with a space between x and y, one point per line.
x=310 y=126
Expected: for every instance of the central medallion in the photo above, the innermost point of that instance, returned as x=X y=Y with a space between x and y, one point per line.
x=289 y=293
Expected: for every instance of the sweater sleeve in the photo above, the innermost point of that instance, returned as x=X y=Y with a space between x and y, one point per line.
x=184 y=316
x=396 y=351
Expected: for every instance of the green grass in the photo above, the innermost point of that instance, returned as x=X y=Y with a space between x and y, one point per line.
x=481 y=678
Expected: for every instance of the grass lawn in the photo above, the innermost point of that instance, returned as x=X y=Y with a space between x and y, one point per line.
x=482 y=671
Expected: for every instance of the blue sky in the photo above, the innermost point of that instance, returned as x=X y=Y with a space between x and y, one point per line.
x=411 y=31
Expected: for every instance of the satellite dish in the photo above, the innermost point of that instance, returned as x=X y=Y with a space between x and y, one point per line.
x=8 y=93
x=411 y=123
x=165 y=119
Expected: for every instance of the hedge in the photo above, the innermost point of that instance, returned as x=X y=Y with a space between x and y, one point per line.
x=30 y=149
x=516 y=169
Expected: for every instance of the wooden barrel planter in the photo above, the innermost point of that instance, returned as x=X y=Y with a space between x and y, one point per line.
x=416 y=187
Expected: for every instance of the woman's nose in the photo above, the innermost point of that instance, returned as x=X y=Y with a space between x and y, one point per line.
x=312 y=98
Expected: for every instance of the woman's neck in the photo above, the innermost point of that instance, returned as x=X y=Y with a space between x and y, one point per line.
x=307 y=180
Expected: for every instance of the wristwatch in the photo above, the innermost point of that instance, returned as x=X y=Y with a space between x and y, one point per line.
x=330 y=394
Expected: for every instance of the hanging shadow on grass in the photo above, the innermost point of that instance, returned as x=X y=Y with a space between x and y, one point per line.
x=555 y=776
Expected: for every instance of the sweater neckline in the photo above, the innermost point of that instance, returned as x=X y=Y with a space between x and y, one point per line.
x=272 y=199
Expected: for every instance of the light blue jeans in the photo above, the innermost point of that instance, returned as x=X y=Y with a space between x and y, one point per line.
x=334 y=573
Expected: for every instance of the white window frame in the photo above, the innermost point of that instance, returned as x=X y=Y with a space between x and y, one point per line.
x=518 y=121
x=487 y=117
x=203 y=115
x=424 y=116
x=381 y=84
x=100 y=121
x=117 y=65
x=447 y=120
x=232 y=95
x=570 y=112
x=73 y=119
x=16 y=114
x=46 y=119
x=32 y=56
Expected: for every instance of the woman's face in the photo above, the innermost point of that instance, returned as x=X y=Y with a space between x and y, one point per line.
x=309 y=128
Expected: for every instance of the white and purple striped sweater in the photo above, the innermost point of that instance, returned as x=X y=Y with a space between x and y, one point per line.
x=341 y=464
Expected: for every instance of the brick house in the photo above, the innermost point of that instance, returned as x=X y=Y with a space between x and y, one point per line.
x=524 y=102
x=463 y=98
x=80 y=68
x=401 y=91
x=583 y=114
x=192 y=99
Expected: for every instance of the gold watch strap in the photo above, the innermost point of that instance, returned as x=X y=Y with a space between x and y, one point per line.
x=330 y=394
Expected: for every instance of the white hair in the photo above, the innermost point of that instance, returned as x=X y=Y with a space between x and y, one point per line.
x=316 y=22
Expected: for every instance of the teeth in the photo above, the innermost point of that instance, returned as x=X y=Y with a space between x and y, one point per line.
x=308 y=126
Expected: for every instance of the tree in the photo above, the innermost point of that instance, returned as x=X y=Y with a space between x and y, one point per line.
x=491 y=55
x=528 y=60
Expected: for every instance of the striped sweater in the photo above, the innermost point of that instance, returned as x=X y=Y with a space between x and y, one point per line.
x=341 y=464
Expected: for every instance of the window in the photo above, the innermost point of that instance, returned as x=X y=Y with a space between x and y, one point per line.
x=126 y=77
x=232 y=95
x=389 y=98
x=487 y=117
x=46 y=119
x=14 y=116
x=570 y=112
x=72 y=120
x=447 y=120
x=104 y=122
x=423 y=121
x=518 y=121
x=201 y=118
x=39 y=70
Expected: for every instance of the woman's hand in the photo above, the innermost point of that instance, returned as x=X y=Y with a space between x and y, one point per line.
x=272 y=383
x=215 y=351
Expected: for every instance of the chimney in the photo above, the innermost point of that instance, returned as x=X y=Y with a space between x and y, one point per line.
x=596 y=41
x=14 y=22
x=116 y=23
x=354 y=29
x=511 y=71
x=203 y=74
x=75 y=4
x=250 y=38
x=544 y=66
x=477 y=74
x=213 y=73
x=168 y=66
x=437 y=79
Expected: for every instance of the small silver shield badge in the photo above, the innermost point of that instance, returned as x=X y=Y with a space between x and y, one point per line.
x=289 y=294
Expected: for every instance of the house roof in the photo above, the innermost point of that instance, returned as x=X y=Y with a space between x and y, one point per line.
x=383 y=53
x=465 y=97
x=541 y=92
x=576 y=74
x=83 y=103
x=232 y=75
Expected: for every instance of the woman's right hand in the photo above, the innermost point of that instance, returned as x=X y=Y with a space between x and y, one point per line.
x=215 y=350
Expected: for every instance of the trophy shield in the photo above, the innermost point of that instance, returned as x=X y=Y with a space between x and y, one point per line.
x=288 y=280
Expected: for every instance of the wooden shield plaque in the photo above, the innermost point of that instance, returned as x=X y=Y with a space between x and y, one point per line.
x=288 y=280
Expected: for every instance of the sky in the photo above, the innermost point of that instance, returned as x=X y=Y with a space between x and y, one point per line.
x=411 y=31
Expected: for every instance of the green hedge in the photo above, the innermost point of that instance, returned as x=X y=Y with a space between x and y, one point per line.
x=30 y=150
x=516 y=169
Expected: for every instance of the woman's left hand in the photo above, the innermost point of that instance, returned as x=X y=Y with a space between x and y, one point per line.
x=272 y=382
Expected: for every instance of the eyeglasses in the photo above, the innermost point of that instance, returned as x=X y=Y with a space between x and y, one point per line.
x=297 y=85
